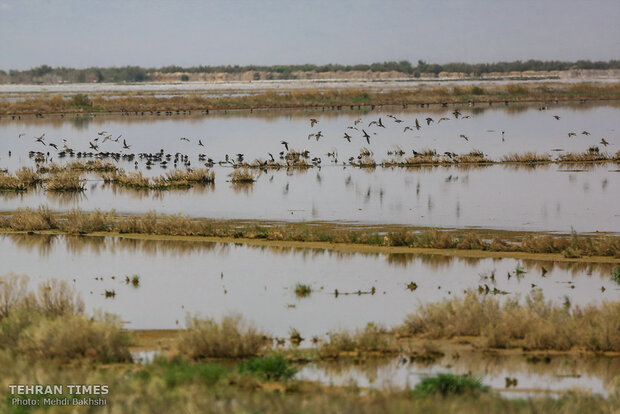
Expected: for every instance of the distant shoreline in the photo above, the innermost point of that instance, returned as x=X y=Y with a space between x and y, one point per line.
x=164 y=98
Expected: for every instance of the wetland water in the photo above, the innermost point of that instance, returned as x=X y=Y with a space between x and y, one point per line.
x=552 y=197
x=215 y=279
x=555 y=374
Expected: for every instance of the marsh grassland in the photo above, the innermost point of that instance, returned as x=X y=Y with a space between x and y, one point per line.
x=434 y=248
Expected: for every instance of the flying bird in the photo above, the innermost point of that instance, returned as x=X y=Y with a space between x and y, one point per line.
x=557 y=117
x=464 y=137
x=285 y=144
x=184 y=139
x=200 y=143
x=585 y=133
x=366 y=136
x=429 y=120
x=605 y=143
x=125 y=146
x=572 y=134
x=313 y=122
x=347 y=137
x=417 y=124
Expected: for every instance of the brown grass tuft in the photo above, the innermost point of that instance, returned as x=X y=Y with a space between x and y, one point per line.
x=536 y=324
x=231 y=338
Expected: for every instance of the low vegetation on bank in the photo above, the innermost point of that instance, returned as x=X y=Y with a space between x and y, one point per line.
x=77 y=221
x=536 y=324
x=312 y=98
x=50 y=323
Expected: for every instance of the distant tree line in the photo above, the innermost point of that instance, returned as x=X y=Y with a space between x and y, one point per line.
x=48 y=74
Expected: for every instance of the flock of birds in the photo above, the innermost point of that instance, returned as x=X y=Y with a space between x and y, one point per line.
x=99 y=147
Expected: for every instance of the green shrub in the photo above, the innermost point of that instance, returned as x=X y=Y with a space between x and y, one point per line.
x=272 y=368
x=449 y=384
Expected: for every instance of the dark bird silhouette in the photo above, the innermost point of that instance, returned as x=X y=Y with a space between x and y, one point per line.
x=585 y=133
x=572 y=134
x=200 y=143
x=605 y=143
x=318 y=135
x=557 y=117
x=285 y=144
x=93 y=146
x=417 y=124
x=347 y=137
x=543 y=271
x=366 y=136
x=407 y=128
x=184 y=139
x=271 y=156
x=464 y=137
x=125 y=146
x=102 y=132
x=357 y=121
x=380 y=123
x=429 y=120
x=313 y=122
x=443 y=119
x=456 y=113
x=51 y=144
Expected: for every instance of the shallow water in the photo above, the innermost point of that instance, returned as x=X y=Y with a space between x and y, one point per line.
x=215 y=279
x=553 y=197
x=596 y=375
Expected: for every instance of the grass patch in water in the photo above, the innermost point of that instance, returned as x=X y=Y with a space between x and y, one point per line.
x=268 y=368
x=449 y=384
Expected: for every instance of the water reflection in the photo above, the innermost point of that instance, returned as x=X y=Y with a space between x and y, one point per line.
x=214 y=279
x=515 y=375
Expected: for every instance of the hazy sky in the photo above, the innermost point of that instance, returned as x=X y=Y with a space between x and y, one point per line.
x=81 y=33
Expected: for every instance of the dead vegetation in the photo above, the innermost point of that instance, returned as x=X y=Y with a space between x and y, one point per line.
x=527 y=158
x=231 y=338
x=371 y=339
x=65 y=181
x=49 y=324
x=242 y=176
x=535 y=324
x=172 y=179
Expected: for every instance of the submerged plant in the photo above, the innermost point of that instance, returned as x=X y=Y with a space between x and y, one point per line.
x=302 y=291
